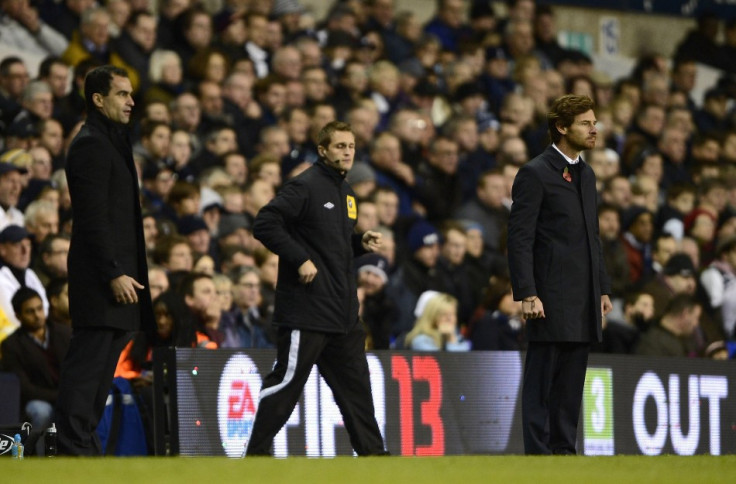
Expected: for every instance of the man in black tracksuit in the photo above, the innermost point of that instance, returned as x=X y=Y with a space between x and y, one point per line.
x=309 y=225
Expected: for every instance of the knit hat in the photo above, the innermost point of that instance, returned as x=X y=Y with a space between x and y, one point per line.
x=360 y=173
x=373 y=263
x=189 y=224
x=680 y=264
x=422 y=234
x=231 y=222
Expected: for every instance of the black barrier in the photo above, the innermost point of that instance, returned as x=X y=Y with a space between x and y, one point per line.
x=447 y=404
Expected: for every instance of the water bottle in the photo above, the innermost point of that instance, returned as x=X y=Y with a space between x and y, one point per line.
x=49 y=440
x=17 y=450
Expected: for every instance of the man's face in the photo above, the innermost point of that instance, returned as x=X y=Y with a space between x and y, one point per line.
x=52 y=137
x=180 y=258
x=237 y=168
x=444 y=157
x=666 y=246
x=387 y=152
x=97 y=30
x=56 y=259
x=370 y=282
x=31 y=316
x=315 y=83
x=118 y=104
x=608 y=225
x=247 y=291
x=150 y=232
x=387 y=208
x=16 y=80
x=454 y=247
x=46 y=223
x=200 y=241
x=642 y=228
x=42 y=105
x=427 y=255
x=144 y=32
x=493 y=191
x=203 y=300
x=367 y=217
x=298 y=127
x=16 y=254
x=58 y=79
x=582 y=133
x=682 y=284
x=210 y=98
x=158 y=282
x=158 y=143
x=644 y=306
x=340 y=153
x=224 y=142
x=188 y=111
x=10 y=188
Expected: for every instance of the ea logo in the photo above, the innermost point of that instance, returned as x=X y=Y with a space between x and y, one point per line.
x=6 y=442
x=237 y=400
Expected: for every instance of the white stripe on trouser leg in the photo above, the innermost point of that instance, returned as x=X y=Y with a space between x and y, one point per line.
x=290 y=368
x=288 y=376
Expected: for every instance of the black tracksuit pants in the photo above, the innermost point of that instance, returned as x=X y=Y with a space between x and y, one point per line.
x=341 y=361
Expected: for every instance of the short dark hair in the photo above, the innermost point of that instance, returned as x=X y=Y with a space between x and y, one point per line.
x=21 y=296
x=563 y=111
x=186 y=286
x=44 y=69
x=324 y=138
x=7 y=62
x=99 y=80
x=680 y=303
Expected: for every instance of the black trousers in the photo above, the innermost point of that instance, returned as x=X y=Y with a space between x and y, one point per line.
x=554 y=377
x=341 y=360
x=86 y=377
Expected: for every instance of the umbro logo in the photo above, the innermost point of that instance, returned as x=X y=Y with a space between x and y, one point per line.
x=329 y=205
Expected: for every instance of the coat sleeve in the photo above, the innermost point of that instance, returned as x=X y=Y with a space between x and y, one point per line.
x=527 y=195
x=89 y=175
x=272 y=222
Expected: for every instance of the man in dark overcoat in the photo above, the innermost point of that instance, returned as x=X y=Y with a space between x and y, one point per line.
x=558 y=273
x=108 y=275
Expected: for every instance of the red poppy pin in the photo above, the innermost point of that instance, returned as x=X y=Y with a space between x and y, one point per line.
x=566 y=175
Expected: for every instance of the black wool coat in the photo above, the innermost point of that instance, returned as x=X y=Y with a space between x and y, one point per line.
x=554 y=249
x=107 y=232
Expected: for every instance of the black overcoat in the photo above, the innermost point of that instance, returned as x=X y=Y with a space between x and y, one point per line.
x=107 y=232
x=554 y=249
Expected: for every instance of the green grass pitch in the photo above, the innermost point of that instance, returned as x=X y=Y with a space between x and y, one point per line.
x=374 y=470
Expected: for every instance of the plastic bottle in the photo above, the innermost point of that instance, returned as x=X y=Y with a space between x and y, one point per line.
x=17 y=449
x=50 y=441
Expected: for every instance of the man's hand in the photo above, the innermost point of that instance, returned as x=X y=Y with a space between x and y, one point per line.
x=371 y=241
x=606 y=306
x=532 y=308
x=307 y=272
x=124 y=289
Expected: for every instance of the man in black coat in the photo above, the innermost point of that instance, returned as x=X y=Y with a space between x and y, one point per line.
x=310 y=226
x=108 y=274
x=558 y=273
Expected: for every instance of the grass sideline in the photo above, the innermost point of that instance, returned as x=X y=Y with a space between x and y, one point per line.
x=375 y=470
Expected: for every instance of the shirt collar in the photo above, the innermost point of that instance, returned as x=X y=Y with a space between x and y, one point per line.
x=569 y=160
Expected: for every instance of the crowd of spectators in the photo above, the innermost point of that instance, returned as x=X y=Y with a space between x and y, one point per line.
x=228 y=107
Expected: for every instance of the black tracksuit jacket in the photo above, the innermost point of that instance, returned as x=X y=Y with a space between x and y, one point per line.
x=313 y=218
